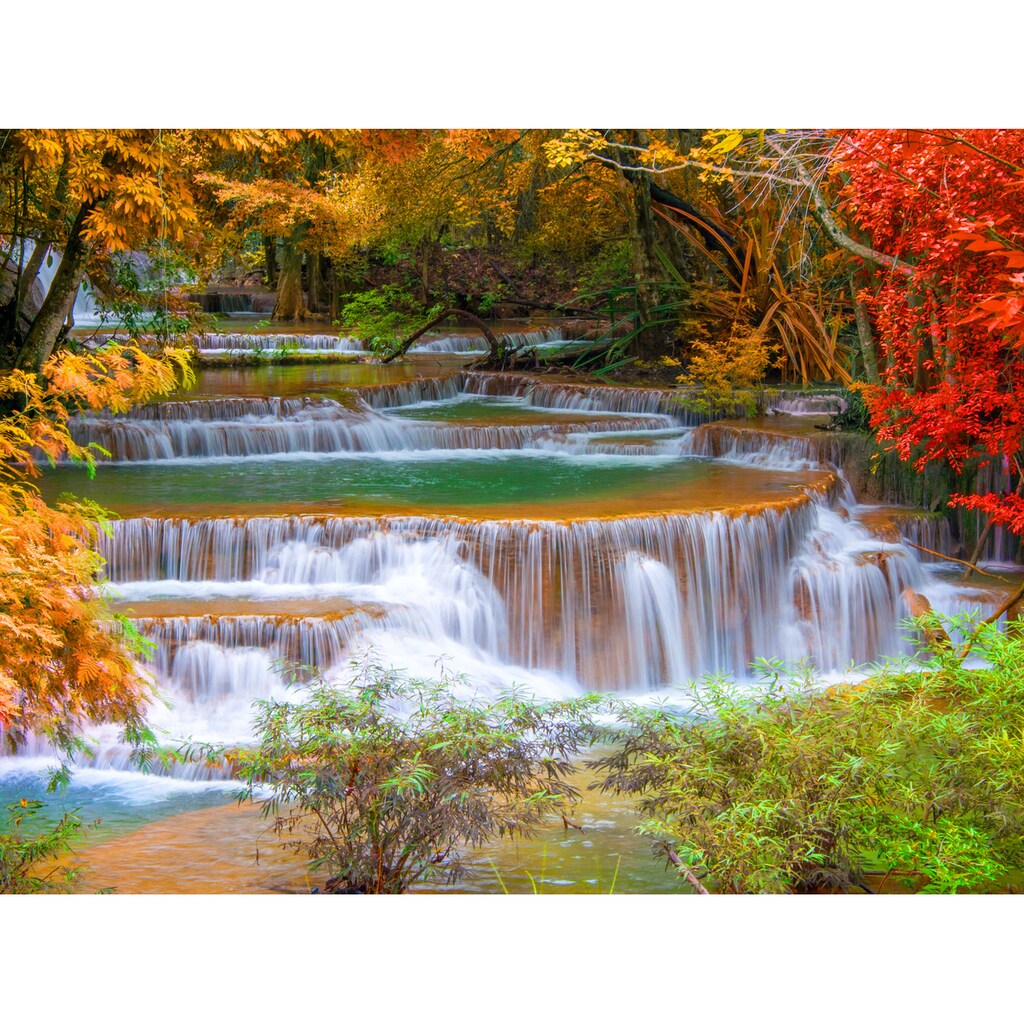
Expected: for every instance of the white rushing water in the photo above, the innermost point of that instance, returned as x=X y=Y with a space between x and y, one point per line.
x=632 y=604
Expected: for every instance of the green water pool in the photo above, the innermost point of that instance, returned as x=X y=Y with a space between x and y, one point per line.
x=517 y=484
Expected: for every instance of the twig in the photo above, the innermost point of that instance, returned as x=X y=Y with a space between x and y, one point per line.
x=939 y=554
x=1004 y=607
x=978 y=548
x=686 y=872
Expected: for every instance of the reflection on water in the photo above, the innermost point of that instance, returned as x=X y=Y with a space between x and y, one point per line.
x=229 y=849
x=316 y=379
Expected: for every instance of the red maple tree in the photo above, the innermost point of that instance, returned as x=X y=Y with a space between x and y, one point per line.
x=949 y=206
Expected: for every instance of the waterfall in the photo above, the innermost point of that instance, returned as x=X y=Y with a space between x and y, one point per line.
x=452 y=343
x=612 y=604
x=807 y=405
x=477 y=344
x=269 y=344
x=237 y=302
x=254 y=427
x=86 y=310
x=630 y=604
x=770 y=449
x=537 y=393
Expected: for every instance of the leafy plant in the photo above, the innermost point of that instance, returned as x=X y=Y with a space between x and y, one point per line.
x=729 y=372
x=382 y=316
x=855 y=416
x=610 y=268
x=382 y=784
x=27 y=854
x=795 y=788
x=51 y=617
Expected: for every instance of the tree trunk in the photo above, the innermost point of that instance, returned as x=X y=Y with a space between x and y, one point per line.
x=643 y=241
x=291 y=303
x=60 y=299
x=31 y=271
x=864 y=334
x=314 y=282
x=424 y=254
x=331 y=283
x=270 y=258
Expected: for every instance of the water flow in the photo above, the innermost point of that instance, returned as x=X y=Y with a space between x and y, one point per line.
x=630 y=604
x=253 y=427
x=269 y=344
x=85 y=311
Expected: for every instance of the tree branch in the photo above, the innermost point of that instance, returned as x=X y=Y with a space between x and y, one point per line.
x=492 y=341
x=687 y=874
x=1004 y=607
x=835 y=232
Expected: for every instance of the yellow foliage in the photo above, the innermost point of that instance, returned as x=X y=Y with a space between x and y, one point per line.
x=723 y=369
x=64 y=660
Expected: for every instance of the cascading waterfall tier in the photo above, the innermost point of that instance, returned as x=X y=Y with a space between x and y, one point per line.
x=765 y=447
x=477 y=344
x=227 y=344
x=269 y=344
x=775 y=449
x=613 y=604
x=539 y=393
x=631 y=603
x=253 y=425
x=806 y=405
x=242 y=427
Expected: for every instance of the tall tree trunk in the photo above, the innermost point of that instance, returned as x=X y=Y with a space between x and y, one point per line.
x=60 y=299
x=314 y=282
x=291 y=303
x=270 y=258
x=31 y=271
x=643 y=241
x=424 y=253
x=864 y=333
x=337 y=284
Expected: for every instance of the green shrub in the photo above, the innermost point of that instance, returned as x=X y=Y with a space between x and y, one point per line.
x=383 y=316
x=28 y=854
x=797 y=788
x=381 y=785
x=611 y=267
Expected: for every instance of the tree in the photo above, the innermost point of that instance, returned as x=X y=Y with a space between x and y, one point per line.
x=949 y=207
x=302 y=190
x=334 y=198
x=735 y=235
x=384 y=783
x=81 y=197
x=65 y=660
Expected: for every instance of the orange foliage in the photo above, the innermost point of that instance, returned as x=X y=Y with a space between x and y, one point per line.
x=64 y=659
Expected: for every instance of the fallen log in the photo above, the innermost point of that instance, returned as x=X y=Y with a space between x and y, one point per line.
x=492 y=341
